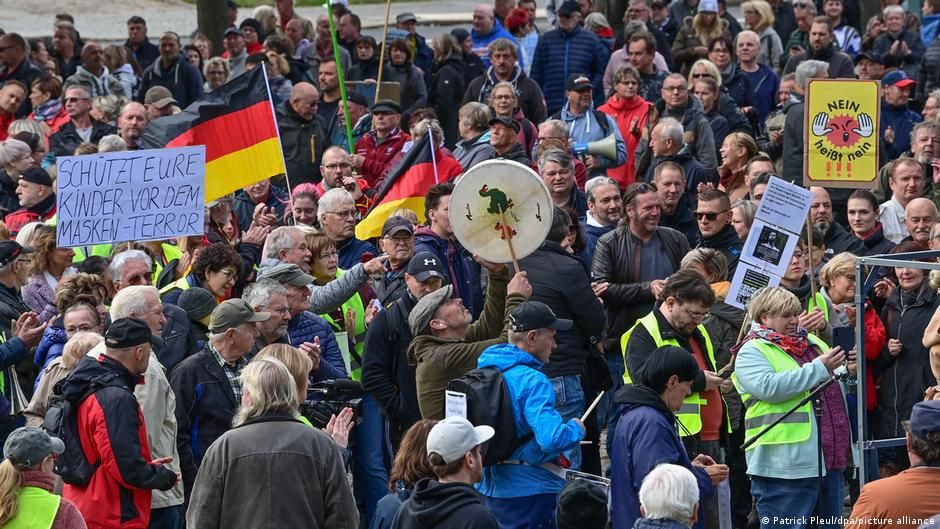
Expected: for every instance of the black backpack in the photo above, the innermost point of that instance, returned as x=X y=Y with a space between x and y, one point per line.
x=62 y=421
x=488 y=403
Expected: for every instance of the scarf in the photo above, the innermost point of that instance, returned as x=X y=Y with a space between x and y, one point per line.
x=48 y=110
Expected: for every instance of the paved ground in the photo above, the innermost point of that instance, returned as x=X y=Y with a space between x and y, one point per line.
x=105 y=19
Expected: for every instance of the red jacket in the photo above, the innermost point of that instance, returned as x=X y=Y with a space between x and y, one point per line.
x=875 y=339
x=378 y=156
x=631 y=117
x=113 y=436
x=23 y=216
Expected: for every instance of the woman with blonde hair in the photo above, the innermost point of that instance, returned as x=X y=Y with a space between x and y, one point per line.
x=75 y=349
x=716 y=101
x=27 y=483
x=736 y=150
x=759 y=18
x=695 y=33
x=48 y=266
x=124 y=68
x=742 y=216
x=216 y=72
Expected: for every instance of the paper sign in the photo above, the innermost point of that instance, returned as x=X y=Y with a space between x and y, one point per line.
x=769 y=247
x=747 y=280
x=785 y=205
x=131 y=196
x=342 y=340
x=455 y=404
x=841 y=133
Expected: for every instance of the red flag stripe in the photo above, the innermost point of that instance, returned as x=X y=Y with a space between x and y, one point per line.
x=231 y=132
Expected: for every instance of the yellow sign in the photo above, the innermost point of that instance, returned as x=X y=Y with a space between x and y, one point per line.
x=840 y=131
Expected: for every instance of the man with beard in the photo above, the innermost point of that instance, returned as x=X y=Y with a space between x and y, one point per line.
x=337 y=174
x=504 y=56
x=605 y=209
x=269 y=296
x=173 y=71
x=398 y=242
x=713 y=214
x=303 y=136
x=131 y=124
x=675 y=211
x=837 y=239
x=822 y=48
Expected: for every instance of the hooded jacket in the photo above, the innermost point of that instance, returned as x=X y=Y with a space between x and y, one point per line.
x=532 y=399
x=528 y=92
x=482 y=42
x=727 y=242
x=840 y=64
x=181 y=78
x=516 y=153
x=646 y=436
x=475 y=150
x=303 y=142
x=561 y=53
x=113 y=436
x=631 y=116
x=586 y=127
x=460 y=269
x=683 y=48
x=98 y=85
x=435 y=505
x=698 y=135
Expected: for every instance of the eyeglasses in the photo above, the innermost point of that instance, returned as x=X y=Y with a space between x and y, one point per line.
x=700 y=75
x=403 y=241
x=335 y=166
x=75 y=99
x=696 y=316
x=677 y=89
x=278 y=310
x=709 y=216
x=348 y=213
x=799 y=256
x=720 y=50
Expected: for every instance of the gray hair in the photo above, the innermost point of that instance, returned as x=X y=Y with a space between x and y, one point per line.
x=596 y=182
x=116 y=268
x=475 y=115
x=558 y=156
x=503 y=43
x=333 y=199
x=270 y=386
x=669 y=492
x=808 y=70
x=14 y=150
x=132 y=301
x=280 y=239
x=420 y=129
x=259 y=294
x=596 y=21
x=809 y=6
x=892 y=10
x=112 y=143
x=670 y=128
x=25 y=125
x=558 y=126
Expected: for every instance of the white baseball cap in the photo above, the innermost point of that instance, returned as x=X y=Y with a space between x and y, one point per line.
x=453 y=437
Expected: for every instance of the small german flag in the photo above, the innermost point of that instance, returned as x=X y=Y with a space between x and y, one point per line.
x=236 y=123
x=403 y=188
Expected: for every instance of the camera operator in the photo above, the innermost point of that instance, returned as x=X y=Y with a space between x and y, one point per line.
x=337 y=172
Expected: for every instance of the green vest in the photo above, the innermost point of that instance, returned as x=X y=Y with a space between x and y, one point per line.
x=818 y=301
x=354 y=303
x=37 y=509
x=799 y=425
x=689 y=415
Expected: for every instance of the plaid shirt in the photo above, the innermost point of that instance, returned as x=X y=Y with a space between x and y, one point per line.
x=232 y=372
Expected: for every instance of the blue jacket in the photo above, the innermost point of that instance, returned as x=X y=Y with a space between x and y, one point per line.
x=591 y=234
x=245 y=207
x=388 y=506
x=351 y=250
x=533 y=408
x=481 y=43
x=561 y=53
x=929 y=27
x=306 y=326
x=584 y=128
x=646 y=436
x=460 y=269
x=182 y=79
x=902 y=120
x=50 y=348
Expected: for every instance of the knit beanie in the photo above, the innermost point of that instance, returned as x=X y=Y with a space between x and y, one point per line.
x=197 y=303
x=581 y=505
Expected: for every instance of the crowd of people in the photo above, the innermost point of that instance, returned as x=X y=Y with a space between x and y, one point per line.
x=234 y=379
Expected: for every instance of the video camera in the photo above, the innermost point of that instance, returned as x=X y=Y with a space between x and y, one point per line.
x=328 y=398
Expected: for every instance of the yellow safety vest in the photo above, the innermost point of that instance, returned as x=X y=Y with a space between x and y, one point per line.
x=689 y=415
x=180 y=284
x=37 y=509
x=354 y=303
x=799 y=425
x=818 y=301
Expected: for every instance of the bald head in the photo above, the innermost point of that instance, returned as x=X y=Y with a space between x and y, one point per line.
x=304 y=99
x=131 y=122
x=821 y=209
x=919 y=216
x=483 y=18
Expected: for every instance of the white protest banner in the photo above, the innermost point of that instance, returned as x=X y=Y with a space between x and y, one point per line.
x=766 y=254
x=131 y=196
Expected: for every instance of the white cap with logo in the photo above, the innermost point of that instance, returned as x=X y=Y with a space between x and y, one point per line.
x=453 y=437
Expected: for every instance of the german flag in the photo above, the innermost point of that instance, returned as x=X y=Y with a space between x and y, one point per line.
x=404 y=188
x=236 y=123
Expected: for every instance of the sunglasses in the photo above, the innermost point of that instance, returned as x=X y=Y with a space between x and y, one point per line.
x=711 y=217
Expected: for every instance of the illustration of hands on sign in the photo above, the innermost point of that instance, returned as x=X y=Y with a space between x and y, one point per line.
x=843 y=137
x=845 y=128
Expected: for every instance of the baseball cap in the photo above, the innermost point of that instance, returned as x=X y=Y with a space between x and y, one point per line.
x=232 y=30
x=160 y=97
x=395 y=224
x=386 y=105
x=568 y=7
x=286 y=274
x=130 y=332
x=868 y=55
x=453 y=437
x=234 y=312
x=423 y=312
x=897 y=78
x=406 y=17
x=532 y=315
x=425 y=265
x=37 y=175
x=357 y=98
x=578 y=81
x=507 y=121
x=925 y=418
x=658 y=4
x=27 y=446
x=708 y=6
x=10 y=250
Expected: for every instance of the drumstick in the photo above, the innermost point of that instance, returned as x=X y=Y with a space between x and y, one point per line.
x=507 y=234
x=593 y=405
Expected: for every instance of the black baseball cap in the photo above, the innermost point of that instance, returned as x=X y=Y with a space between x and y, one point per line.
x=507 y=121
x=568 y=7
x=386 y=105
x=232 y=30
x=532 y=315
x=357 y=98
x=869 y=55
x=578 y=81
x=130 y=332
x=10 y=250
x=37 y=175
x=395 y=224
x=425 y=265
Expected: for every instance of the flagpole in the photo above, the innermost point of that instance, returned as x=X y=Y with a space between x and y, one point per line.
x=378 y=81
x=339 y=73
x=437 y=180
x=290 y=188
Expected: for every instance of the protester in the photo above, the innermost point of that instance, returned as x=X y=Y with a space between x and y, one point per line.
x=410 y=466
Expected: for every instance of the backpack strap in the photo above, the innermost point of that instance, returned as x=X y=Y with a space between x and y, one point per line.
x=520 y=441
x=601 y=119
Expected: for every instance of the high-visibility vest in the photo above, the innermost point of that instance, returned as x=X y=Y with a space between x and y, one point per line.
x=180 y=284
x=37 y=509
x=818 y=301
x=354 y=303
x=689 y=415
x=797 y=427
